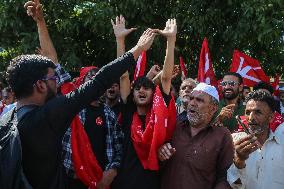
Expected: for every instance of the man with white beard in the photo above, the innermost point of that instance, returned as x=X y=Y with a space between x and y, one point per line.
x=198 y=155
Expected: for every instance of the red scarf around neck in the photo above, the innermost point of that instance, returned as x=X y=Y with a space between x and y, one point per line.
x=160 y=125
x=84 y=160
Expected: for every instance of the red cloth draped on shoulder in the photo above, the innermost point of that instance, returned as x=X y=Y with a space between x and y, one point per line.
x=84 y=160
x=160 y=125
x=86 y=166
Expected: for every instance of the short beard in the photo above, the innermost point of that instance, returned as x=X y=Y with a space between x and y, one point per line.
x=50 y=94
x=193 y=121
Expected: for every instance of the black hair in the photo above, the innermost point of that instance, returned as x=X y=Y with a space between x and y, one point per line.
x=263 y=85
x=246 y=87
x=236 y=75
x=143 y=82
x=263 y=97
x=24 y=71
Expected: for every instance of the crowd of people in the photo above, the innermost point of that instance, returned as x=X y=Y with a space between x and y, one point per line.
x=102 y=130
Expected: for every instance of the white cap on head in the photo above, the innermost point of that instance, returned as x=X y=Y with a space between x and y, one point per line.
x=209 y=89
x=281 y=88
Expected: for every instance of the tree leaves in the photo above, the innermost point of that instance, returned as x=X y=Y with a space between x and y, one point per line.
x=82 y=33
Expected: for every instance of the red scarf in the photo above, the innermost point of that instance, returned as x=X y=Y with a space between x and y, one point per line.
x=84 y=160
x=160 y=124
x=277 y=120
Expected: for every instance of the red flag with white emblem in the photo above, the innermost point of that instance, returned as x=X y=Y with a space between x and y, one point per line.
x=275 y=85
x=182 y=67
x=249 y=68
x=205 y=70
x=140 y=66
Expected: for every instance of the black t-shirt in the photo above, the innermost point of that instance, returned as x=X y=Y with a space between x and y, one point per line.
x=132 y=174
x=96 y=129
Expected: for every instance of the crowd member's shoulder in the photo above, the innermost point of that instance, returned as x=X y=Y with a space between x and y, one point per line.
x=280 y=129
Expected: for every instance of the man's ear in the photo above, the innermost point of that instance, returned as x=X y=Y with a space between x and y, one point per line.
x=40 y=86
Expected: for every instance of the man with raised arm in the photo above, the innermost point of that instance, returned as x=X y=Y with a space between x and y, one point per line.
x=148 y=115
x=47 y=117
x=34 y=9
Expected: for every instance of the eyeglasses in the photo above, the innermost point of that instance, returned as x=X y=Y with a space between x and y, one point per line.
x=230 y=83
x=53 y=78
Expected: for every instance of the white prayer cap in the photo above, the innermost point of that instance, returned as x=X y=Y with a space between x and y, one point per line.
x=209 y=89
x=281 y=88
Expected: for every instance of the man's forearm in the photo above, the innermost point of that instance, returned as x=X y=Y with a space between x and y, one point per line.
x=46 y=42
x=120 y=47
x=69 y=105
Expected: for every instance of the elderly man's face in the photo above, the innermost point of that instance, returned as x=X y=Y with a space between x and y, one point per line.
x=185 y=89
x=200 y=108
x=258 y=115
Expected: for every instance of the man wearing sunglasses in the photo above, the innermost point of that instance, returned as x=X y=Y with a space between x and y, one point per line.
x=231 y=104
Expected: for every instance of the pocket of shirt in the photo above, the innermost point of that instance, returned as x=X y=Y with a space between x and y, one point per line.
x=202 y=159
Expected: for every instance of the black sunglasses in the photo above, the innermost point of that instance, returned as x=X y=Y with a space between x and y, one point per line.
x=230 y=83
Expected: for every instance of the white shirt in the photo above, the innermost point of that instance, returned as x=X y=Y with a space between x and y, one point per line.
x=264 y=167
x=8 y=108
x=282 y=108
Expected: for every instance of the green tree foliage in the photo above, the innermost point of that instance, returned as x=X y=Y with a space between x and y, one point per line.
x=82 y=32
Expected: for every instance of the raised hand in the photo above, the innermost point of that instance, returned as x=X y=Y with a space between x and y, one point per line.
x=119 y=27
x=176 y=71
x=244 y=147
x=34 y=9
x=144 y=42
x=153 y=71
x=170 y=30
x=146 y=39
x=226 y=112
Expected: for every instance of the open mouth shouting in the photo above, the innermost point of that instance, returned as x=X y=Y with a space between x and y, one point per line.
x=142 y=97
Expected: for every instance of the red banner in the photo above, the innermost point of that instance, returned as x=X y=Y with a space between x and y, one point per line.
x=249 y=68
x=205 y=70
x=140 y=66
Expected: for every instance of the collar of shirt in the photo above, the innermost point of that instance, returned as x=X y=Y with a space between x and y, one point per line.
x=278 y=135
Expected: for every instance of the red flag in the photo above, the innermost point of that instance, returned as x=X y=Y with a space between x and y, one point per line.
x=182 y=67
x=248 y=68
x=205 y=70
x=140 y=66
x=275 y=85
